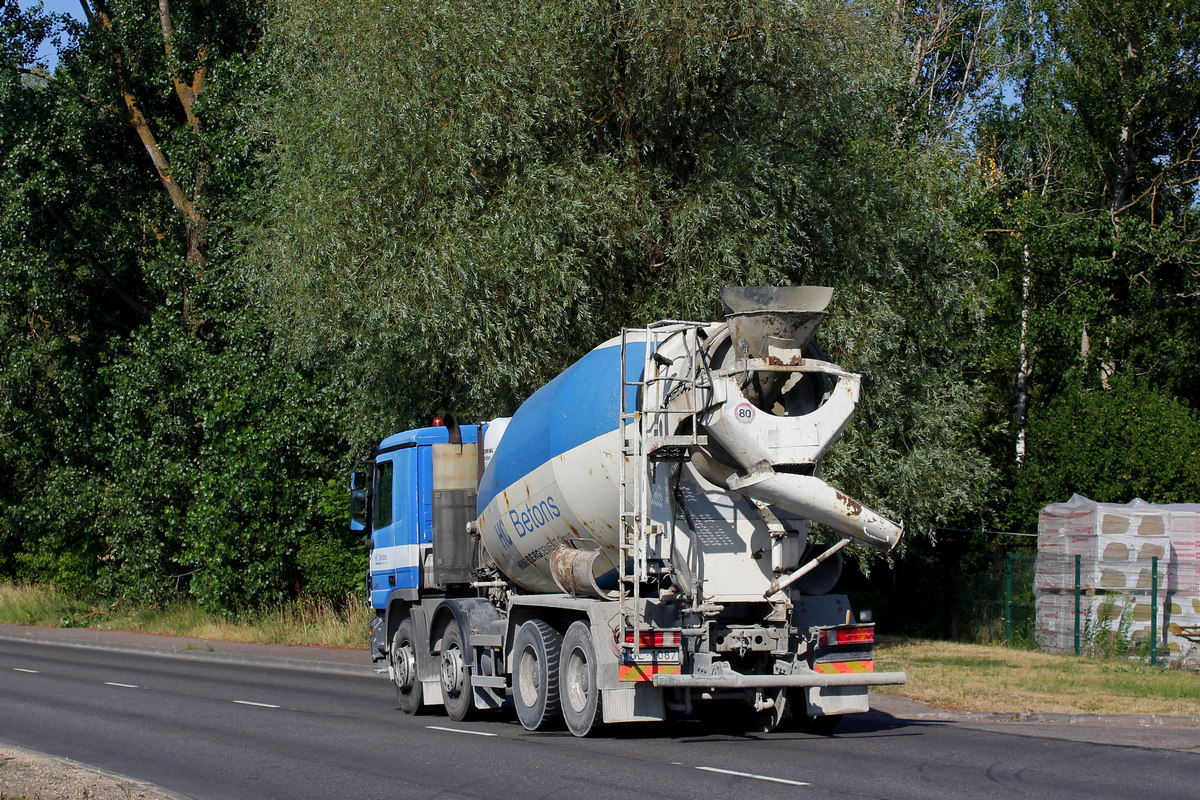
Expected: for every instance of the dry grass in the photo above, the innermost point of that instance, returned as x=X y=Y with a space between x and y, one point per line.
x=992 y=678
x=307 y=621
x=25 y=775
x=29 y=604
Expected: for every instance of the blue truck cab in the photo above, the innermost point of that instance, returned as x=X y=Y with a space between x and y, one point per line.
x=414 y=500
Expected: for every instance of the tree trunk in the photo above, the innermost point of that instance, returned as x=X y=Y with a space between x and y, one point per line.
x=1024 y=368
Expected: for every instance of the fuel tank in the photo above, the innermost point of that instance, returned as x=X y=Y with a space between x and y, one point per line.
x=756 y=406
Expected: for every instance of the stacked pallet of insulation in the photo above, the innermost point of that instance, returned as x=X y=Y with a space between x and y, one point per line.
x=1116 y=545
x=1183 y=581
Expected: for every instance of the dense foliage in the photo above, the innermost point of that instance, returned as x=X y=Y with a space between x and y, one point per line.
x=153 y=439
x=241 y=240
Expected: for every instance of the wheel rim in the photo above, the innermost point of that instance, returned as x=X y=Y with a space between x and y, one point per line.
x=530 y=677
x=452 y=671
x=404 y=664
x=578 y=680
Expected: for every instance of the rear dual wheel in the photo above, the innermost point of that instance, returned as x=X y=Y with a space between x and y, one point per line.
x=535 y=675
x=580 y=696
x=458 y=695
x=554 y=678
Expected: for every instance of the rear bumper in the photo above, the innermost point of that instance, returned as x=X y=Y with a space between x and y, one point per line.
x=734 y=680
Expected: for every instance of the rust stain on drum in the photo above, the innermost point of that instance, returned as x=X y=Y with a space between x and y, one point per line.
x=850 y=503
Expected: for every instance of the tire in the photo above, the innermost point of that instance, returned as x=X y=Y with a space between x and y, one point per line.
x=457 y=693
x=402 y=659
x=535 y=675
x=579 y=694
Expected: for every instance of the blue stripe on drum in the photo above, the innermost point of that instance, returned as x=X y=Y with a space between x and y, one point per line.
x=575 y=407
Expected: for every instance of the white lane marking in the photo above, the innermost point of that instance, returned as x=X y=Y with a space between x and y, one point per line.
x=260 y=705
x=459 y=730
x=754 y=776
x=122 y=685
x=30 y=671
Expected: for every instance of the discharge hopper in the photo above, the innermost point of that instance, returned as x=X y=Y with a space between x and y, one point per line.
x=776 y=410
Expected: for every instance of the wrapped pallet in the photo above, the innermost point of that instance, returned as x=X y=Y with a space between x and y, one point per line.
x=1101 y=617
x=1115 y=547
x=1184 y=570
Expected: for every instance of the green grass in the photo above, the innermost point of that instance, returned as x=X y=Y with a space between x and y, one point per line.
x=307 y=621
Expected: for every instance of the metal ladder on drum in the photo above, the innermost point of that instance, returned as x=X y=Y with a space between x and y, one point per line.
x=648 y=436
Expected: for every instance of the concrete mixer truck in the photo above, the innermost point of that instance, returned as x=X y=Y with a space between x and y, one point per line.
x=633 y=544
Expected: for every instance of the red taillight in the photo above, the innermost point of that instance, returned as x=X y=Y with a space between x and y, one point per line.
x=655 y=638
x=852 y=635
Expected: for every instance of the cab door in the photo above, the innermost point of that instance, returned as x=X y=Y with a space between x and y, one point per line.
x=395 y=527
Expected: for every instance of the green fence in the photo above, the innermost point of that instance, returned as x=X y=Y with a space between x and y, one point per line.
x=953 y=592
x=1057 y=602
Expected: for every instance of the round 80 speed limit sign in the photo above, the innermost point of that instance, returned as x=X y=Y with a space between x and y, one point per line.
x=744 y=413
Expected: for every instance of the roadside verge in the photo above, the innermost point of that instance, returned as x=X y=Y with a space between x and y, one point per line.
x=312 y=659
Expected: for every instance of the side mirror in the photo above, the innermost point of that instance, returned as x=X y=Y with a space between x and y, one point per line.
x=358 y=499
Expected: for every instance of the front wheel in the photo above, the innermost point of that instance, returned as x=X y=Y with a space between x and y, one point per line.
x=577 y=688
x=402 y=658
x=535 y=675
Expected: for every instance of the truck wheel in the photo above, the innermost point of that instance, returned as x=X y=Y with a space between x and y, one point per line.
x=535 y=675
x=457 y=693
x=402 y=659
x=578 y=689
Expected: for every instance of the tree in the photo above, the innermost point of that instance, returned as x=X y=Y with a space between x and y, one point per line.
x=1090 y=211
x=165 y=446
x=1112 y=446
x=465 y=197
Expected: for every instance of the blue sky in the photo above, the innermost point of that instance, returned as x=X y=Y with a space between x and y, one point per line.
x=59 y=7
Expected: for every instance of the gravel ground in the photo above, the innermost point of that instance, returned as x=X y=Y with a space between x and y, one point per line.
x=25 y=775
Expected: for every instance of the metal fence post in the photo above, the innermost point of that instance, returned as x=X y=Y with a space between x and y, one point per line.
x=1008 y=559
x=1078 y=565
x=1154 y=611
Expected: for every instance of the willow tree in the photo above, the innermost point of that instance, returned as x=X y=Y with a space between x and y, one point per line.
x=465 y=196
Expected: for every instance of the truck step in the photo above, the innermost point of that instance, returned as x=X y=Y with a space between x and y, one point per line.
x=486 y=640
x=489 y=681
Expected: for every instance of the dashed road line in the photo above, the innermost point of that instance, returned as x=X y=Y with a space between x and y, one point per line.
x=28 y=671
x=754 y=776
x=259 y=705
x=122 y=685
x=459 y=730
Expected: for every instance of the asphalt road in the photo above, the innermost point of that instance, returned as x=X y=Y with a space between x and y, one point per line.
x=209 y=730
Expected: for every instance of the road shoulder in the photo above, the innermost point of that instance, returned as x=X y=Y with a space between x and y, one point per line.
x=29 y=775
